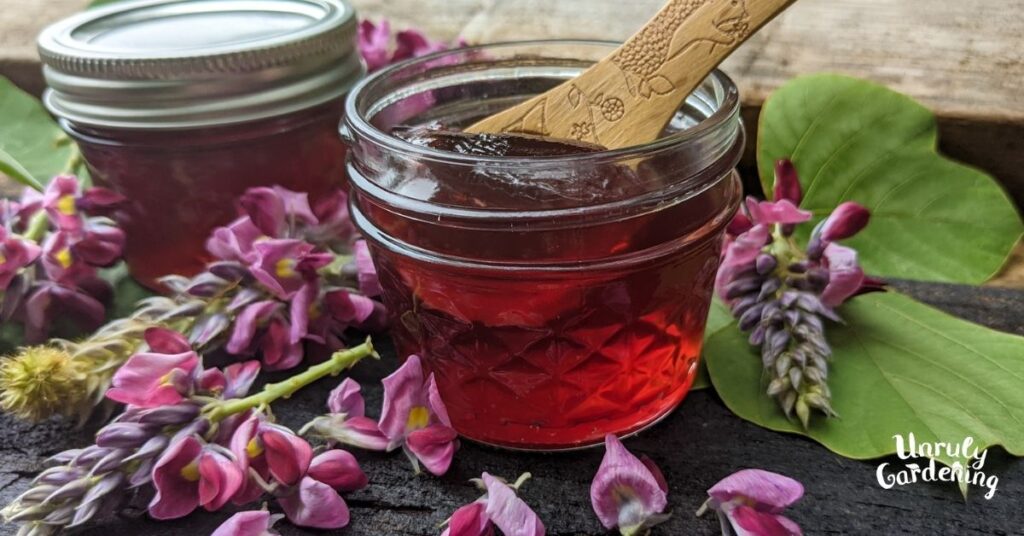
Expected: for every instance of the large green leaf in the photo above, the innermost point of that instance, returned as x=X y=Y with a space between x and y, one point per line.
x=32 y=147
x=718 y=318
x=899 y=366
x=852 y=140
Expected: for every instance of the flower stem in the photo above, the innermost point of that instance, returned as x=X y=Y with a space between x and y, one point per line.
x=338 y=362
x=37 y=226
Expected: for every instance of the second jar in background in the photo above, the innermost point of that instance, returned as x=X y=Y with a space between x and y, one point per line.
x=183 y=105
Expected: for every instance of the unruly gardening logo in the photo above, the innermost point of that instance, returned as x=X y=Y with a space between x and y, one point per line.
x=926 y=469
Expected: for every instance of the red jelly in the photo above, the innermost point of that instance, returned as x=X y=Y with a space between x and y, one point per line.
x=557 y=291
x=182 y=105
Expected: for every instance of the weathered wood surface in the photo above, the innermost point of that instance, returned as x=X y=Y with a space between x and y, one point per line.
x=697 y=445
x=962 y=58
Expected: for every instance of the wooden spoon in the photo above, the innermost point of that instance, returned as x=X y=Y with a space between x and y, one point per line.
x=629 y=97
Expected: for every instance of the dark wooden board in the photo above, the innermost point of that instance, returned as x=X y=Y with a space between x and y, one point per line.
x=697 y=445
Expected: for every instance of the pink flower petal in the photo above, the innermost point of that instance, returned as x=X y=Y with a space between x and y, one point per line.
x=347 y=307
x=141 y=380
x=369 y=284
x=346 y=398
x=624 y=492
x=508 y=512
x=252 y=523
x=739 y=254
x=766 y=491
x=772 y=212
x=315 y=505
x=338 y=469
x=412 y=44
x=240 y=377
x=655 y=471
x=374 y=42
x=470 y=520
x=787 y=183
x=175 y=496
x=246 y=324
x=298 y=316
x=361 y=432
x=403 y=390
x=288 y=455
x=436 y=403
x=279 y=353
x=845 y=275
x=740 y=224
x=219 y=479
x=748 y=521
x=434 y=446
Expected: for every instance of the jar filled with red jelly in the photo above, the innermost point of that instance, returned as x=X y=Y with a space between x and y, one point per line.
x=558 y=291
x=181 y=105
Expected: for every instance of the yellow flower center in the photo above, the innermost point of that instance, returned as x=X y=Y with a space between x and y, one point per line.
x=3 y=259
x=191 y=471
x=419 y=417
x=285 y=268
x=66 y=205
x=63 y=257
x=253 y=448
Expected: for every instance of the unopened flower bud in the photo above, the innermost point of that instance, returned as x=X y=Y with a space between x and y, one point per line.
x=123 y=435
x=846 y=220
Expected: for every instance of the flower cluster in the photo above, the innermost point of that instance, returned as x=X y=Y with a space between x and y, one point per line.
x=500 y=507
x=375 y=44
x=191 y=434
x=288 y=280
x=780 y=293
x=413 y=417
x=51 y=246
x=751 y=502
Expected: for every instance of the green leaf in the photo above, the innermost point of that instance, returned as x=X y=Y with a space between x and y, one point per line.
x=32 y=147
x=852 y=140
x=718 y=317
x=899 y=366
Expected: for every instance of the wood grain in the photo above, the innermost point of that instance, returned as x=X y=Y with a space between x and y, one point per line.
x=628 y=97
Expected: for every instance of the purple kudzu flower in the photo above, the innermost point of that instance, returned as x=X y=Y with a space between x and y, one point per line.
x=779 y=293
x=414 y=417
x=15 y=255
x=499 y=507
x=750 y=503
x=284 y=266
x=627 y=492
x=375 y=44
x=158 y=377
x=192 y=473
x=307 y=488
x=347 y=422
x=252 y=523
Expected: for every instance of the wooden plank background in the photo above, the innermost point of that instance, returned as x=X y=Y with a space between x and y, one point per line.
x=962 y=58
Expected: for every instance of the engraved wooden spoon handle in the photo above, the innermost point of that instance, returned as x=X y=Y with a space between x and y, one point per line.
x=628 y=97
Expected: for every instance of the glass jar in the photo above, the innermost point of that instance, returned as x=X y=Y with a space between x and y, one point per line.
x=555 y=298
x=183 y=105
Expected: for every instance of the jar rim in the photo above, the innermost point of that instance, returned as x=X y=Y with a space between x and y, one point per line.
x=361 y=126
x=193 y=72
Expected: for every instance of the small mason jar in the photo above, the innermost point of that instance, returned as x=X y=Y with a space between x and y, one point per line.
x=558 y=297
x=181 y=105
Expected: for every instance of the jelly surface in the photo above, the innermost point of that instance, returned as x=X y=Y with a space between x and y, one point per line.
x=543 y=358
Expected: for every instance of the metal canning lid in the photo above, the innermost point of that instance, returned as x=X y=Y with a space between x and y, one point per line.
x=170 y=64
